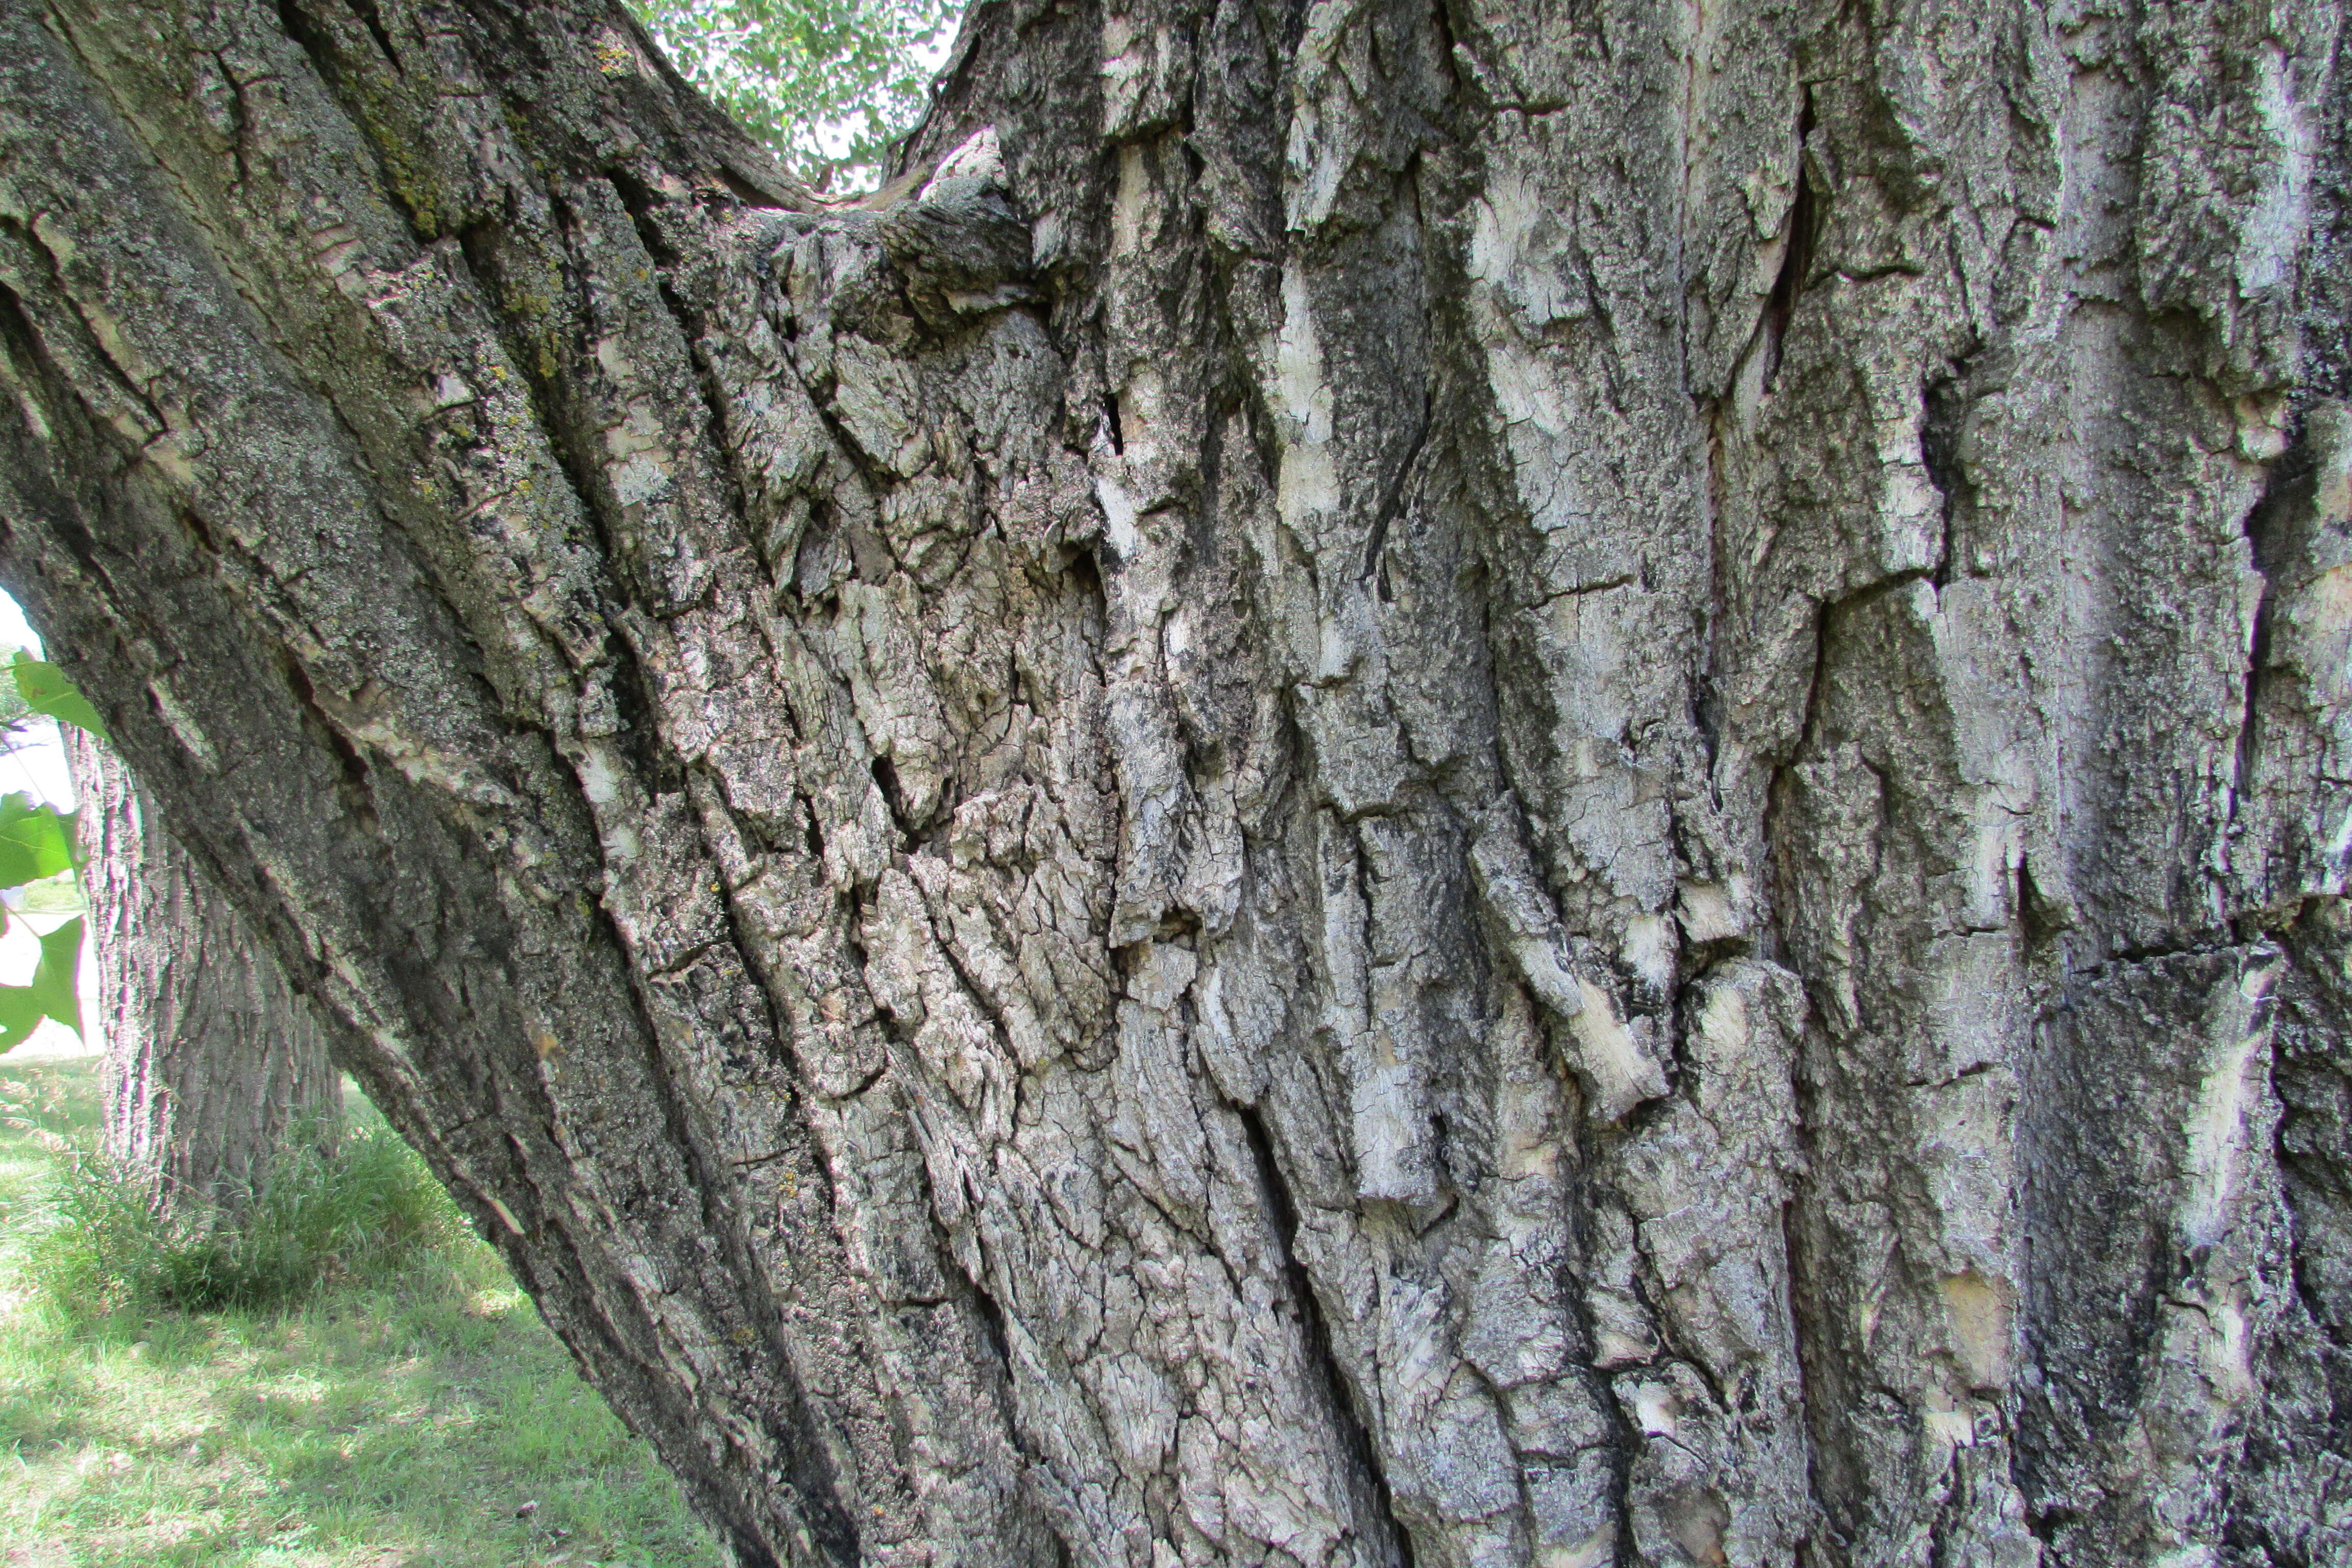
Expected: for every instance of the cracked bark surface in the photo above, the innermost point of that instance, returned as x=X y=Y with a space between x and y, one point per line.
x=213 y=1064
x=1530 y=783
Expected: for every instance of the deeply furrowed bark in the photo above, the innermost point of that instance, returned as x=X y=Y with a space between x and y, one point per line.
x=214 y=1066
x=1525 y=783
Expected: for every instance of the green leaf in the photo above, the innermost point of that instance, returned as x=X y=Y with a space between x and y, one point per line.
x=55 y=978
x=36 y=841
x=54 y=991
x=20 y=1015
x=47 y=690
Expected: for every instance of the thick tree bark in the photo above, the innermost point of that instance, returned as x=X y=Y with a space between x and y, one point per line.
x=1515 y=783
x=212 y=1063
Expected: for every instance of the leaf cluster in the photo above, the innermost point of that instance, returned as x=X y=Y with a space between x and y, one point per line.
x=38 y=841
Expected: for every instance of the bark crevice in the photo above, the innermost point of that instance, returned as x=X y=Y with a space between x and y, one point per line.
x=1355 y=1439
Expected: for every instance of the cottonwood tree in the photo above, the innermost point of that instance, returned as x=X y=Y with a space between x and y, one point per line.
x=214 y=1065
x=213 y=1062
x=1519 y=782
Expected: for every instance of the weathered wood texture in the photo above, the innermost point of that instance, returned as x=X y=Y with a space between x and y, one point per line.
x=1547 y=782
x=213 y=1064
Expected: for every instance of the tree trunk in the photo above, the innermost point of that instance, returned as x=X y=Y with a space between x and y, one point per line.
x=1527 y=782
x=213 y=1065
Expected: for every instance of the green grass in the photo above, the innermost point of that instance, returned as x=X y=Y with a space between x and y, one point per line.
x=361 y=1206
x=395 y=1413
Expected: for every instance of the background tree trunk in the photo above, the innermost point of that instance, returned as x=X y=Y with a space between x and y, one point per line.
x=1516 y=783
x=212 y=1063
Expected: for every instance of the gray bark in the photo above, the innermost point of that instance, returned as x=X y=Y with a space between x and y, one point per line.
x=214 y=1065
x=1526 y=782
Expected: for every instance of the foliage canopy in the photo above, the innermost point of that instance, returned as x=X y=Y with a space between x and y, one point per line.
x=830 y=84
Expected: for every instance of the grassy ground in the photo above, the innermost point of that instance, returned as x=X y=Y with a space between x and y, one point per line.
x=402 y=1422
